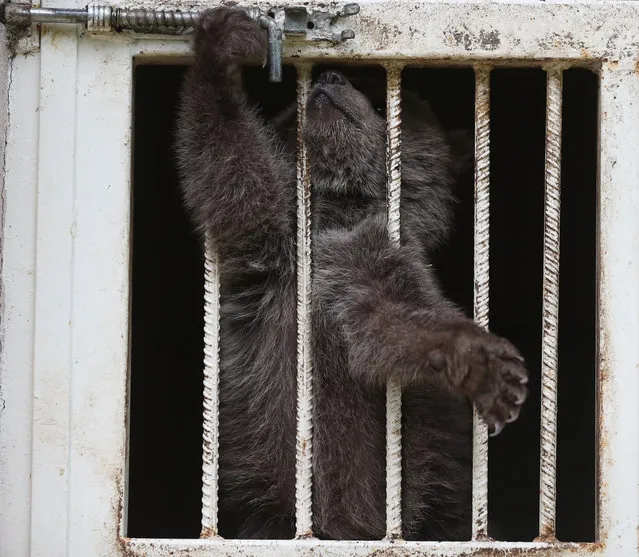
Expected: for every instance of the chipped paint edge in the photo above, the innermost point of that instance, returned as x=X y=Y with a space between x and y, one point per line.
x=313 y=548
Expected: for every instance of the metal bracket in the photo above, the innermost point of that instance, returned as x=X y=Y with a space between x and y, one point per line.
x=314 y=24
x=301 y=23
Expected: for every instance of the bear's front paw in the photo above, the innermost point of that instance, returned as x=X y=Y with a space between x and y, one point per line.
x=488 y=369
x=224 y=35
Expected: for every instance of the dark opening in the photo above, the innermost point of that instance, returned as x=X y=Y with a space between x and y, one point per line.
x=166 y=374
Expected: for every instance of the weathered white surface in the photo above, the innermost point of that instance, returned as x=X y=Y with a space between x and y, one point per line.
x=619 y=311
x=63 y=427
x=480 y=30
x=100 y=310
x=4 y=91
x=313 y=548
x=65 y=311
x=18 y=285
x=52 y=364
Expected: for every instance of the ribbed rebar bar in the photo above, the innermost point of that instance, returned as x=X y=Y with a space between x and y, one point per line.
x=481 y=293
x=210 y=439
x=393 y=390
x=550 y=308
x=304 y=445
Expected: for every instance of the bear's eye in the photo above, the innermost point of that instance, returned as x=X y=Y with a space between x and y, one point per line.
x=380 y=108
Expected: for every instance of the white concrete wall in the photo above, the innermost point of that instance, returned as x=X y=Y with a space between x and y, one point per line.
x=4 y=82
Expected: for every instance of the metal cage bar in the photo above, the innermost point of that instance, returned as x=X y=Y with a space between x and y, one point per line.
x=210 y=415
x=481 y=294
x=304 y=445
x=550 y=307
x=393 y=389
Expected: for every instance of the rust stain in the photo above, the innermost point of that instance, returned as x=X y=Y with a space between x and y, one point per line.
x=546 y=538
x=305 y=535
x=123 y=544
x=55 y=35
x=208 y=533
x=119 y=513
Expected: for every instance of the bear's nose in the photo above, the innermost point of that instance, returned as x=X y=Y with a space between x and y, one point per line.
x=331 y=77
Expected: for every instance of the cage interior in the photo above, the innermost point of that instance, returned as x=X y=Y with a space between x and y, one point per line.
x=167 y=289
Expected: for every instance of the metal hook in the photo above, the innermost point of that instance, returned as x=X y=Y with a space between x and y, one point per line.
x=274 y=47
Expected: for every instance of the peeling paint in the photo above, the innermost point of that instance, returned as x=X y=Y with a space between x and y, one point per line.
x=315 y=548
x=484 y=40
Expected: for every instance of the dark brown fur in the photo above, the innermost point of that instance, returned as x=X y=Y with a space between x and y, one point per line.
x=377 y=310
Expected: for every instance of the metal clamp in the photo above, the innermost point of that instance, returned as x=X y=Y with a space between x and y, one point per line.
x=299 y=22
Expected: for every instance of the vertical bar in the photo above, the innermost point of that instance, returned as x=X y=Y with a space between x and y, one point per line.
x=304 y=445
x=481 y=295
x=550 y=307
x=393 y=389
x=210 y=418
x=618 y=268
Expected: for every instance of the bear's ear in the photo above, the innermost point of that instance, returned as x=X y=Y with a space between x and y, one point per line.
x=462 y=150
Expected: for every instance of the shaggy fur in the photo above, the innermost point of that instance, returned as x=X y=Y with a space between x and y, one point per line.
x=377 y=311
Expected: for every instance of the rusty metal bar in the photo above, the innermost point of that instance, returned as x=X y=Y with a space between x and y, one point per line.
x=210 y=440
x=304 y=446
x=481 y=295
x=296 y=21
x=393 y=389
x=104 y=18
x=550 y=307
